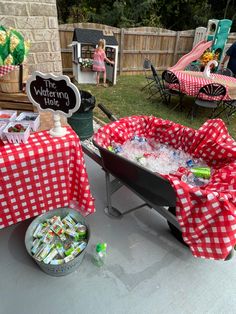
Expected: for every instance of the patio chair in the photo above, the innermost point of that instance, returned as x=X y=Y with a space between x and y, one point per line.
x=209 y=96
x=171 y=86
x=229 y=106
x=192 y=67
x=158 y=87
x=149 y=78
x=225 y=71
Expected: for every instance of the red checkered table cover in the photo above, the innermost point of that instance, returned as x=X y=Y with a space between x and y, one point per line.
x=5 y=69
x=44 y=174
x=207 y=214
x=191 y=82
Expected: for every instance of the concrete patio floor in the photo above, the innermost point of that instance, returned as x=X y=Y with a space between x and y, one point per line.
x=147 y=270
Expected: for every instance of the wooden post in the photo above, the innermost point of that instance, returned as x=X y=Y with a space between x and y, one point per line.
x=122 y=35
x=175 y=56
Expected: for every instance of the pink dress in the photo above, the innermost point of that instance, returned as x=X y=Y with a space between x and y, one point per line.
x=98 y=60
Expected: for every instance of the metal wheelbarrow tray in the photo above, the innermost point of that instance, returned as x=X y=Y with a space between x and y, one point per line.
x=159 y=192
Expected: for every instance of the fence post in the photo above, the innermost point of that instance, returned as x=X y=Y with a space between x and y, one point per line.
x=122 y=35
x=176 y=48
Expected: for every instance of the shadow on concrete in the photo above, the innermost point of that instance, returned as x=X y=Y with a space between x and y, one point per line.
x=16 y=244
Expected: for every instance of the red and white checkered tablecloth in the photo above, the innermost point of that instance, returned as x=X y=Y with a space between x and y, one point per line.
x=44 y=174
x=5 y=69
x=206 y=214
x=191 y=82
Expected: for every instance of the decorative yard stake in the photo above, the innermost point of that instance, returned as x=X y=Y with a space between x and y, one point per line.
x=55 y=94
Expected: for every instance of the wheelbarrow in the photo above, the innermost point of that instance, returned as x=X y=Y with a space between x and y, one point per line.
x=153 y=189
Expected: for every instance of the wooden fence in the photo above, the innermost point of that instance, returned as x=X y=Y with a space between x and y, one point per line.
x=163 y=47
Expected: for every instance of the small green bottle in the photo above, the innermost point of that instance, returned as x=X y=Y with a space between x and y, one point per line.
x=100 y=254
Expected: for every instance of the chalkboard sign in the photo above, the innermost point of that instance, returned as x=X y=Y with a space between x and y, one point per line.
x=53 y=93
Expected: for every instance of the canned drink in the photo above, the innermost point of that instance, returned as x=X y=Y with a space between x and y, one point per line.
x=82 y=230
x=204 y=173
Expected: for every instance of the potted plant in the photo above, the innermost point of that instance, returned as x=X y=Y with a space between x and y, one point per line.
x=13 y=52
x=86 y=65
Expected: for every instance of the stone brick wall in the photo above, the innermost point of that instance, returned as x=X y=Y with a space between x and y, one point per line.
x=37 y=21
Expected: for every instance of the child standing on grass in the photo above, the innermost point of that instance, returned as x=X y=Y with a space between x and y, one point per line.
x=99 y=59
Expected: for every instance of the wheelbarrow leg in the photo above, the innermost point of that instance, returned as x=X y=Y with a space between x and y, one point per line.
x=111 y=187
x=175 y=231
x=110 y=210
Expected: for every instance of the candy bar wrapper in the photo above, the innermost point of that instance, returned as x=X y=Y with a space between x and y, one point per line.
x=36 y=245
x=75 y=244
x=72 y=233
x=39 y=251
x=69 y=221
x=57 y=262
x=44 y=230
x=37 y=230
x=60 y=249
x=44 y=252
x=55 y=219
x=69 y=251
x=50 y=256
x=79 y=248
x=48 y=237
x=69 y=258
x=59 y=230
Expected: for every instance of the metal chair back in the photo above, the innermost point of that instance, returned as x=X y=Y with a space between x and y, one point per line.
x=169 y=77
x=146 y=64
x=226 y=72
x=192 y=67
x=171 y=86
x=149 y=78
x=209 y=91
x=159 y=84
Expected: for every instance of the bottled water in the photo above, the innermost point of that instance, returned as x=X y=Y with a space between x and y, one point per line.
x=100 y=254
x=160 y=158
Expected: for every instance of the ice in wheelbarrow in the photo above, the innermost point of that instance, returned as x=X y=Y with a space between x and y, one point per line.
x=163 y=159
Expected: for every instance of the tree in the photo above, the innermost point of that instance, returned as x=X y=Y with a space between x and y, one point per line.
x=171 y=14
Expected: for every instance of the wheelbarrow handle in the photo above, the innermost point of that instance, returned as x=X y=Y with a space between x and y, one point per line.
x=107 y=112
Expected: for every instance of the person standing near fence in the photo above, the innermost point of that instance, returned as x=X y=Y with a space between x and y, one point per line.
x=99 y=59
x=231 y=56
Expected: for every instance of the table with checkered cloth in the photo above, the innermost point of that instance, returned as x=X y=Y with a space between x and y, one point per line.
x=44 y=174
x=191 y=82
x=206 y=214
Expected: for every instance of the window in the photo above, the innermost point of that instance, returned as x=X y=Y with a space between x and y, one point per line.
x=74 y=53
x=110 y=53
x=87 y=51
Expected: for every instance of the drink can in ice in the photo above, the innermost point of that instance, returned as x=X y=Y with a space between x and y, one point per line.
x=204 y=173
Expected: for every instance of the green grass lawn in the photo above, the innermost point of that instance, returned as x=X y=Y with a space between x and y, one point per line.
x=126 y=99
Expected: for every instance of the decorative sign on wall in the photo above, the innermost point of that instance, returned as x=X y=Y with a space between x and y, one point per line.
x=55 y=94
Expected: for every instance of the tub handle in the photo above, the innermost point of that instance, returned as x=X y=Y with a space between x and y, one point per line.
x=107 y=112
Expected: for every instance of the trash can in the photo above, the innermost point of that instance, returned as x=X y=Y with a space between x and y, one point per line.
x=82 y=120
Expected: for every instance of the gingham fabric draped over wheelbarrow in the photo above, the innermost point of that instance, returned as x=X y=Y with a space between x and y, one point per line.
x=206 y=214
